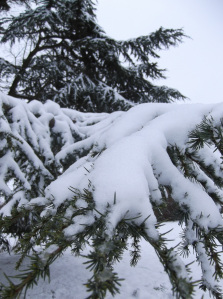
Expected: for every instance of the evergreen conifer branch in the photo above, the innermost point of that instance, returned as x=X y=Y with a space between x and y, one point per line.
x=74 y=141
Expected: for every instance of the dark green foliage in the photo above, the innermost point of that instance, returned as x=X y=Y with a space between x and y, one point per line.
x=4 y=5
x=106 y=248
x=207 y=132
x=68 y=58
x=168 y=211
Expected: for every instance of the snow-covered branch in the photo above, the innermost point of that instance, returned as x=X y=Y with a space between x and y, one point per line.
x=112 y=171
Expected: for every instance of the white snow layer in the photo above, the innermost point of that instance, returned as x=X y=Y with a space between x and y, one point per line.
x=132 y=160
x=126 y=160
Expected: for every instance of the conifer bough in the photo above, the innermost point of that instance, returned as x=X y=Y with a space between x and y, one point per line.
x=99 y=179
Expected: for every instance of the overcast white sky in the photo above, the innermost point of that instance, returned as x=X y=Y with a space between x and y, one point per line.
x=196 y=66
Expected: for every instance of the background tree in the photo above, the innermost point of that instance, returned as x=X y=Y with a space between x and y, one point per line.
x=67 y=57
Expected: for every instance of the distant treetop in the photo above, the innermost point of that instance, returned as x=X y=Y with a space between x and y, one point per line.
x=65 y=56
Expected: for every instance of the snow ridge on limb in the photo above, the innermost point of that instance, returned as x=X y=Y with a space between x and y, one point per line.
x=120 y=168
x=32 y=135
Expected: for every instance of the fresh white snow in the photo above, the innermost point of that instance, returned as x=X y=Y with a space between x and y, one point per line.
x=123 y=155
